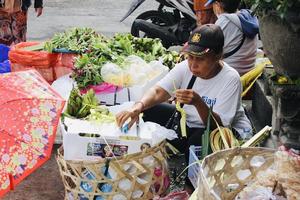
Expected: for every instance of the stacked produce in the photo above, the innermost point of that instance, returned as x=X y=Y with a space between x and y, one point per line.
x=96 y=50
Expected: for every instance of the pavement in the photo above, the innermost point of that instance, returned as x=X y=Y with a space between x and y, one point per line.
x=59 y=15
x=102 y=15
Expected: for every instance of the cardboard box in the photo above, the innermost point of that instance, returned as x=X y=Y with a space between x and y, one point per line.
x=84 y=140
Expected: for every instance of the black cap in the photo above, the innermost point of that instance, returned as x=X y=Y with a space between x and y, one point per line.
x=206 y=38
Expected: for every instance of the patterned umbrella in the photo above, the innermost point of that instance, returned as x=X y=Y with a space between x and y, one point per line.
x=29 y=115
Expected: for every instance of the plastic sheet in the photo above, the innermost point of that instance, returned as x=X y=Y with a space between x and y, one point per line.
x=5 y=67
x=134 y=71
x=103 y=88
x=4 y=52
x=42 y=61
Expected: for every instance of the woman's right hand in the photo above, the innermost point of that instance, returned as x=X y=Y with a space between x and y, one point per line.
x=132 y=114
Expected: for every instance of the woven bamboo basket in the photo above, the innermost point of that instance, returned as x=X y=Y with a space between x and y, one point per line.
x=141 y=175
x=225 y=173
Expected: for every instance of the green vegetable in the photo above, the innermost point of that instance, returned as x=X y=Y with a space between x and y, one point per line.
x=96 y=50
x=74 y=102
x=79 y=106
x=101 y=114
x=76 y=39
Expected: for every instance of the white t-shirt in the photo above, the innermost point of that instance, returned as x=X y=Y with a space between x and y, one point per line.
x=244 y=59
x=223 y=92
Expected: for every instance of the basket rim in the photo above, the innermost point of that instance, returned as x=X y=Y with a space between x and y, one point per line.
x=236 y=150
x=60 y=155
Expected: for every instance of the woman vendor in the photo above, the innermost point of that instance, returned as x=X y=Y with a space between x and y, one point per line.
x=216 y=85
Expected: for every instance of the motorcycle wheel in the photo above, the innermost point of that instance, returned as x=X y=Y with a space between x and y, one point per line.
x=157 y=18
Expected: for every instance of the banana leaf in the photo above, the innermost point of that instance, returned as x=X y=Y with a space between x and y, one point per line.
x=206 y=149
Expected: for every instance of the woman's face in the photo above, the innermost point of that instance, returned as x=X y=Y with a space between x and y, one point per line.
x=202 y=66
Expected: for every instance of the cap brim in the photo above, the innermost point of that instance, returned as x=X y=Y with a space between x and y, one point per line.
x=209 y=2
x=195 y=50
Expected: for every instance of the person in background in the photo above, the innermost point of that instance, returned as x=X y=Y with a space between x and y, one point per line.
x=205 y=14
x=213 y=84
x=240 y=30
x=13 y=25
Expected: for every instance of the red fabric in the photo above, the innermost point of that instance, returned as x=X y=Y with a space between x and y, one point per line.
x=13 y=27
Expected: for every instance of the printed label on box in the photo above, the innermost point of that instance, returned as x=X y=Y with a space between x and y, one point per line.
x=104 y=150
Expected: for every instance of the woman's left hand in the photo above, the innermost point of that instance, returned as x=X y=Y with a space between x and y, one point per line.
x=187 y=96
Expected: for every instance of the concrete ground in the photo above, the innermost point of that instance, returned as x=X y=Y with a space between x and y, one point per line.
x=102 y=15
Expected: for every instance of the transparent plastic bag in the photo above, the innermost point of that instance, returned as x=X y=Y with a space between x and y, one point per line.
x=134 y=71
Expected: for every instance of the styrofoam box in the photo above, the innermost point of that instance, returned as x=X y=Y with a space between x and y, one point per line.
x=134 y=93
x=88 y=140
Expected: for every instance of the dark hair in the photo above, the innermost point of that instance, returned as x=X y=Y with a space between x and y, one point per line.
x=230 y=6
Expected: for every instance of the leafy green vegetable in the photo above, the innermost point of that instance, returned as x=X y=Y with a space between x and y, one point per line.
x=76 y=39
x=96 y=50
x=79 y=106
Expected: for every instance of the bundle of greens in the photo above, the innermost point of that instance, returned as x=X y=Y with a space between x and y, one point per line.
x=77 y=40
x=79 y=106
x=101 y=114
x=86 y=107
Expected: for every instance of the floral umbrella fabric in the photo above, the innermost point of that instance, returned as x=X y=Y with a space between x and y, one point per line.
x=29 y=115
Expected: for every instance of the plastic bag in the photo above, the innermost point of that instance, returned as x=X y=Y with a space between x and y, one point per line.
x=103 y=88
x=135 y=71
x=113 y=74
x=5 y=67
x=63 y=66
x=175 y=196
x=4 y=52
x=160 y=133
x=44 y=62
x=68 y=59
x=63 y=86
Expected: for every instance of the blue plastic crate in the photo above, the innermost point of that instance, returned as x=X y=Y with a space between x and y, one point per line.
x=193 y=171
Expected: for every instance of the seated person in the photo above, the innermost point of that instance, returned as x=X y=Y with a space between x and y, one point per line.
x=240 y=30
x=216 y=85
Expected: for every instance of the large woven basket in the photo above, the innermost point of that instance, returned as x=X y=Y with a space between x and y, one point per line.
x=225 y=173
x=136 y=176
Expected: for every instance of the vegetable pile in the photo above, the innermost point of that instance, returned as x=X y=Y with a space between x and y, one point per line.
x=75 y=40
x=86 y=107
x=96 y=50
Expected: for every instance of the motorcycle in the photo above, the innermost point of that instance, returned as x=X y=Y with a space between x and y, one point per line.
x=172 y=22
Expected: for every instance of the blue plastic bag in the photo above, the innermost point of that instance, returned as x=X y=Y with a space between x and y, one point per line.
x=5 y=67
x=3 y=52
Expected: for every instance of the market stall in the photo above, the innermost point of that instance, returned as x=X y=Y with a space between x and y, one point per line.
x=100 y=77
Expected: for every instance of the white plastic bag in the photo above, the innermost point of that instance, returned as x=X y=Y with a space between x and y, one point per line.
x=63 y=86
x=134 y=71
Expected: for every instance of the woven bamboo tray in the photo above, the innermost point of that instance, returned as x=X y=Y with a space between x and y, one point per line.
x=225 y=173
x=136 y=176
